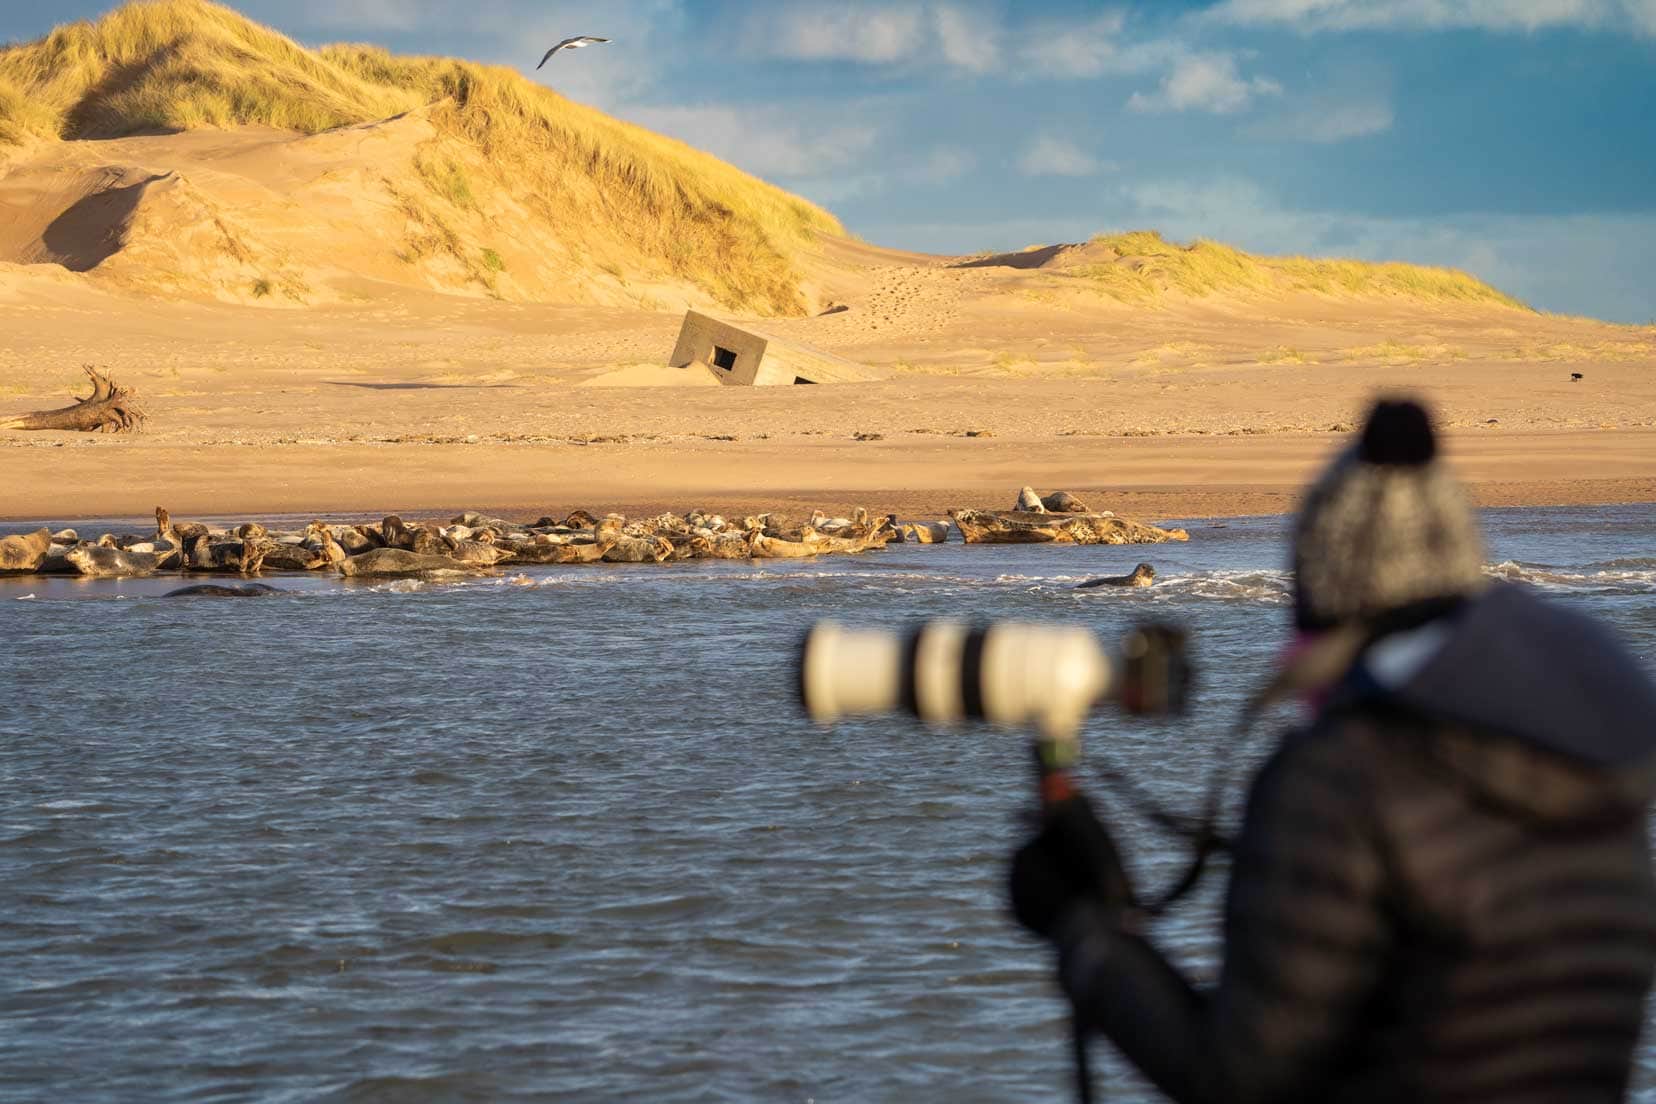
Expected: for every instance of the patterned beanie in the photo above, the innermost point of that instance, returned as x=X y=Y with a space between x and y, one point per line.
x=1384 y=527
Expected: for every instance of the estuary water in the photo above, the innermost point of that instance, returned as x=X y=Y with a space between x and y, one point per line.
x=562 y=834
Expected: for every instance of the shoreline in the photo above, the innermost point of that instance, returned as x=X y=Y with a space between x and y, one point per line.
x=1152 y=478
x=1155 y=506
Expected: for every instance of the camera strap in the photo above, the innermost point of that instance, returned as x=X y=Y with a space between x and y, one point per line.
x=1318 y=664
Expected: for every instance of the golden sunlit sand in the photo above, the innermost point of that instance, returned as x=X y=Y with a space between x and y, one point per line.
x=416 y=285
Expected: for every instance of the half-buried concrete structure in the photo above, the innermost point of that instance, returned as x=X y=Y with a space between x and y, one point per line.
x=746 y=356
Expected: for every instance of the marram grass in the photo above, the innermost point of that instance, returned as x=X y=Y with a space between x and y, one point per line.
x=1146 y=266
x=169 y=65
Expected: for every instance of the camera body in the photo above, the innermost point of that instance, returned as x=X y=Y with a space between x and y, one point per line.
x=1012 y=673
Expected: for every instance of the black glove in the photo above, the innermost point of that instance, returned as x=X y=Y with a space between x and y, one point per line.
x=1071 y=861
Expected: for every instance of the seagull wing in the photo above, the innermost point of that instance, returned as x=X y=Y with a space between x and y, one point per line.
x=572 y=43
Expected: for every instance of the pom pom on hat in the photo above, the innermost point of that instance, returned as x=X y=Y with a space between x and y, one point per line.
x=1398 y=432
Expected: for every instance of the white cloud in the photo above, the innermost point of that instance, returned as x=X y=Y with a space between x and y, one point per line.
x=767 y=141
x=940 y=165
x=830 y=191
x=1204 y=82
x=966 y=41
x=866 y=32
x=1490 y=15
x=362 y=15
x=954 y=35
x=1323 y=123
x=1051 y=156
x=1085 y=50
x=875 y=33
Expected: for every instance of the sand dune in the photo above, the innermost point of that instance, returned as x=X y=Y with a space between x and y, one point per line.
x=300 y=176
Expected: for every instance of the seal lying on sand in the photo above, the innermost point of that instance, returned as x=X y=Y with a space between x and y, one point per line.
x=98 y=562
x=1143 y=575
x=244 y=556
x=924 y=532
x=290 y=557
x=213 y=590
x=25 y=552
x=629 y=549
x=1062 y=502
x=395 y=561
x=762 y=547
x=322 y=539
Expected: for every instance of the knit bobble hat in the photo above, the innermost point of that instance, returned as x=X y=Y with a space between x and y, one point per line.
x=1385 y=527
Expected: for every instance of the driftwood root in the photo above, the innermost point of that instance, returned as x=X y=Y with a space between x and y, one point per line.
x=110 y=408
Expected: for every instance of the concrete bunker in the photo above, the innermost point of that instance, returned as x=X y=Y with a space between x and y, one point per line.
x=743 y=356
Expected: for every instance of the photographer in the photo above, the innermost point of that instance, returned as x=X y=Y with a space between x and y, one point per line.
x=1442 y=887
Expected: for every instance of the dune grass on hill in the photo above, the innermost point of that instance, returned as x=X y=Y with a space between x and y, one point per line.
x=169 y=65
x=1141 y=265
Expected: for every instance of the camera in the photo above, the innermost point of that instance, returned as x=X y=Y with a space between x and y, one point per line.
x=1006 y=672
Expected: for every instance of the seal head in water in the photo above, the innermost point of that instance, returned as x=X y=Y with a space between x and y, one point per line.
x=1143 y=575
x=214 y=590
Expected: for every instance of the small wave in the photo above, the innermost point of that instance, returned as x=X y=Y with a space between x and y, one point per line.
x=1628 y=580
x=25 y=597
x=1274 y=588
x=1265 y=586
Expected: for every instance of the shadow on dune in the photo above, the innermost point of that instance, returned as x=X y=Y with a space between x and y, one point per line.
x=93 y=229
x=1032 y=258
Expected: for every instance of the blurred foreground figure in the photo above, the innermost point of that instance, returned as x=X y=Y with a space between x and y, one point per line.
x=1442 y=888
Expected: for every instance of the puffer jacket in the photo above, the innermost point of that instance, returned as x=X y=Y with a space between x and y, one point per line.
x=1442 y=890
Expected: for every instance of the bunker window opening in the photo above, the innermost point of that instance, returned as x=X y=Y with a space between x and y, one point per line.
x=723 y=358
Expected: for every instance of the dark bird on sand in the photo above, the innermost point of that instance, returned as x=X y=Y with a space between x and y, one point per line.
x=571 y=44
x=1574 y=376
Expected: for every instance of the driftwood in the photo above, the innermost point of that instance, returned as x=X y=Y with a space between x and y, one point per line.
x=110 y=408
x=1026 y=527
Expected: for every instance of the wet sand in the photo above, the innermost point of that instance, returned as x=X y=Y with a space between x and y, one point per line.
x=915 y=476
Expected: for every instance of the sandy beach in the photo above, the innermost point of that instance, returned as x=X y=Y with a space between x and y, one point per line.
x=425 y=404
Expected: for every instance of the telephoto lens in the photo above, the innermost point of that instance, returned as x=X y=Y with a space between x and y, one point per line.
x=1006 y=672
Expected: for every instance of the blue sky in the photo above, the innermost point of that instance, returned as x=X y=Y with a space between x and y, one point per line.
x=1513 y=138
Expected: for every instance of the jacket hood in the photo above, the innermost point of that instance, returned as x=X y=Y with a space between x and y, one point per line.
x=1541 y=707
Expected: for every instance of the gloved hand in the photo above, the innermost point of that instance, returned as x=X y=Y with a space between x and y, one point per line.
x=1072 y=861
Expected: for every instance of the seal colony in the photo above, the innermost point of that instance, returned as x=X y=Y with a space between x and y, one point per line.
x=471 y=544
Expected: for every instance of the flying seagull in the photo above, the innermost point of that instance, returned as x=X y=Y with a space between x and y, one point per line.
x=572 y=43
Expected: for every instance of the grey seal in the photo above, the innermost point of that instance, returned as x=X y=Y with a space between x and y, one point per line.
x=213 y=590
x=396 y=561
x=98 y=562
x=1143 y=575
